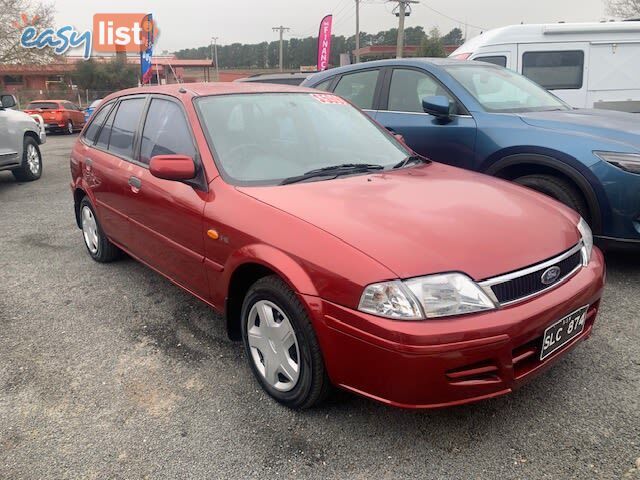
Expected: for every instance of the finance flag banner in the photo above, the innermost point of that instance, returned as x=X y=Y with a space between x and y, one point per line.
x=324 y=43
x=146 y=52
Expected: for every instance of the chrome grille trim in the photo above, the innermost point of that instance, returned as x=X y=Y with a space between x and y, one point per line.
x=487 y=284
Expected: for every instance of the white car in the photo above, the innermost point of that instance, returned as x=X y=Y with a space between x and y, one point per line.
x=20 y=138
x=588 y=65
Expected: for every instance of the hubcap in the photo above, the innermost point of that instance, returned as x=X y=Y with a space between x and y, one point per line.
x=90 y=230
x=33 y=159
x=70 y=127
x=273 y=345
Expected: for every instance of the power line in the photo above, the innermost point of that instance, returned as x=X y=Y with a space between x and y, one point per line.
x=423 y=4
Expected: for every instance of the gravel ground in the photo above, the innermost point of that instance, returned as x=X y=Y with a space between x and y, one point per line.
x=110 y=371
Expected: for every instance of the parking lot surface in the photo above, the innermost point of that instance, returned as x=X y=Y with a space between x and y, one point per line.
x=110 y=371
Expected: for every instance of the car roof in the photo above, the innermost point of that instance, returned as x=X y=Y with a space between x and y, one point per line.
x=274 y=76
x=211 y=88
x=49 y=101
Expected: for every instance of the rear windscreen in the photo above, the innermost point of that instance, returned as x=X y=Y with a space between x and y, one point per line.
x=42 y=106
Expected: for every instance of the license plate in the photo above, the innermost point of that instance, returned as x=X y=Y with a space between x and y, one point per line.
x=563 y=331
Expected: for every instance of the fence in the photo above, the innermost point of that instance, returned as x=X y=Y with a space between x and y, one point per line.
x=82 y=98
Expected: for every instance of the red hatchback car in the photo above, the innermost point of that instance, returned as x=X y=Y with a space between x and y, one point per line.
x=336 y=254
x=58 y=115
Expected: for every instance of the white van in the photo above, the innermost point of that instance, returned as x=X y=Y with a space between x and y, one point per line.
x=588 y=65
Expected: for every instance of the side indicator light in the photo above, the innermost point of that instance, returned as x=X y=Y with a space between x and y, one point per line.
x=212 y=234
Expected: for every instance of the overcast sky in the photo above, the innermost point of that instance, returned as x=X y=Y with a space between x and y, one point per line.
x=190 y=23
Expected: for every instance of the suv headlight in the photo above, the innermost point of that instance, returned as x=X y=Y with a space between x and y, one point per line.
x=587 y=239
x=433 y=296
x=629 y=162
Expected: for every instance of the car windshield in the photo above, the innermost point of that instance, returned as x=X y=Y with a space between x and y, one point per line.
x=42 y=106
x=264 y=138
x=504 y=91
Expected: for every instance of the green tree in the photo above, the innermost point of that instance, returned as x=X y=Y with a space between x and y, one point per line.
x=113 y=75
x=454 y=37
x=432 y=46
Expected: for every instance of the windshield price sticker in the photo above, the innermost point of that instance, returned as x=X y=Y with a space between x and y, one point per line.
x=330 y=99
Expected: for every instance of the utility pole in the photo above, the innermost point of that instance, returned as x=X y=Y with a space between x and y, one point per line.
x=214 y=55
x=281 y=29
x=357 y=31
x=404 y=9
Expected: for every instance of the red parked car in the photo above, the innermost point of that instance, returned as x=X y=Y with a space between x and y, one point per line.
x=58 y=115
x=336 y=254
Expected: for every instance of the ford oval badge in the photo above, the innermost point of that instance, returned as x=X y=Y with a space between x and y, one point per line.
x=550 y=275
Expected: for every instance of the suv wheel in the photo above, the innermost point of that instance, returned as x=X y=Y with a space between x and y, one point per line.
x=31 y=166
x=281 y=345
x=98 y=245
x=69 y=130
x=559 y=189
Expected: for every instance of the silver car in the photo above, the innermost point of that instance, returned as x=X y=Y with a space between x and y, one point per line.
x=20 y=138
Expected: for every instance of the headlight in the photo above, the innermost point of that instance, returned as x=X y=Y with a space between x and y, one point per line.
x=629 y=162
x=587 y=239
x=432 y=296
x=391 y=300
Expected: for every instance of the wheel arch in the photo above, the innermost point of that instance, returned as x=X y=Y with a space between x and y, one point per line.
x=250 y=264
x=33 y=135
x=78 y=195
x=511 y=165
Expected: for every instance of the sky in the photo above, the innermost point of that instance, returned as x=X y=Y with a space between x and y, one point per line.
x=192 y=23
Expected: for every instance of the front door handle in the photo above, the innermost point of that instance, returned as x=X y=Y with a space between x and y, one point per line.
x=135 y=183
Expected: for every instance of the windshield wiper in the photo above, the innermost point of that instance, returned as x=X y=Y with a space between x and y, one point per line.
x=333 y=170
x=410 y=159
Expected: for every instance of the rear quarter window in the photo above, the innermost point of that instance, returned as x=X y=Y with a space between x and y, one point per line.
x=557 y=70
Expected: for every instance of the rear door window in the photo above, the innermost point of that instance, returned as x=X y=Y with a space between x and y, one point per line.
x=105 y=133
x=124 y=127
x=561 y=70
x=359 y=88
x=166 y=132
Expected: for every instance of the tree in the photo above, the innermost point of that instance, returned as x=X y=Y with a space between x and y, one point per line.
x=454 y=37
x=624 y=8
x=14 y=16
x=113 y=75
x=432 y=46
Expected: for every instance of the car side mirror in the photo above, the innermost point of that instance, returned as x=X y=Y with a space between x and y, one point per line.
x=173 y=167
x=437 y=105
x=7 y=101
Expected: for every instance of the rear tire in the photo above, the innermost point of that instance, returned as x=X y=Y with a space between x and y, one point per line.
x=559 y=189
x=98 y=245
x=302 y=358
x=69 y=129
x=31 y=166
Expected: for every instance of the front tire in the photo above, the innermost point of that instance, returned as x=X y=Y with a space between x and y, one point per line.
x=98 y=245
x=281 y=345
x=558 y=189
x=31 y=167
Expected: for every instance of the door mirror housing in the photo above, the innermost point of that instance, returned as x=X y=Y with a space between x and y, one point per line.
x=173 y=167
x=437 y=105
x=7 y=101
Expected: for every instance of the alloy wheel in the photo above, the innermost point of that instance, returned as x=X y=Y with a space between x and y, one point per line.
x=273 y=345
x=90 y=230
x=33 y=159
x=69 y=127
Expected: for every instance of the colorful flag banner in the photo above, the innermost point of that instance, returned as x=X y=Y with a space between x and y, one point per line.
x=146 y=52
x=324 y=43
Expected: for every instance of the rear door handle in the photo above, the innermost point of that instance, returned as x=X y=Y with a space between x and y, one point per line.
x=135 y=183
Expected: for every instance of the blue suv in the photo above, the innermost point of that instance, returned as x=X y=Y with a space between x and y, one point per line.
x=489 y=119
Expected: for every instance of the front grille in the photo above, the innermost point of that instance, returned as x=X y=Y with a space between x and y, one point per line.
x=515 y=287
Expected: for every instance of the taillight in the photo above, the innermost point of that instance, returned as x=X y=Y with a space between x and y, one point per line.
x=462 y=56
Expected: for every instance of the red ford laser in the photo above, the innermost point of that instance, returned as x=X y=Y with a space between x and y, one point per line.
x=336 y=254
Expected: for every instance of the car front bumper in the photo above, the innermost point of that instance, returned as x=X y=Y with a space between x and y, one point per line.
x=446 y=362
